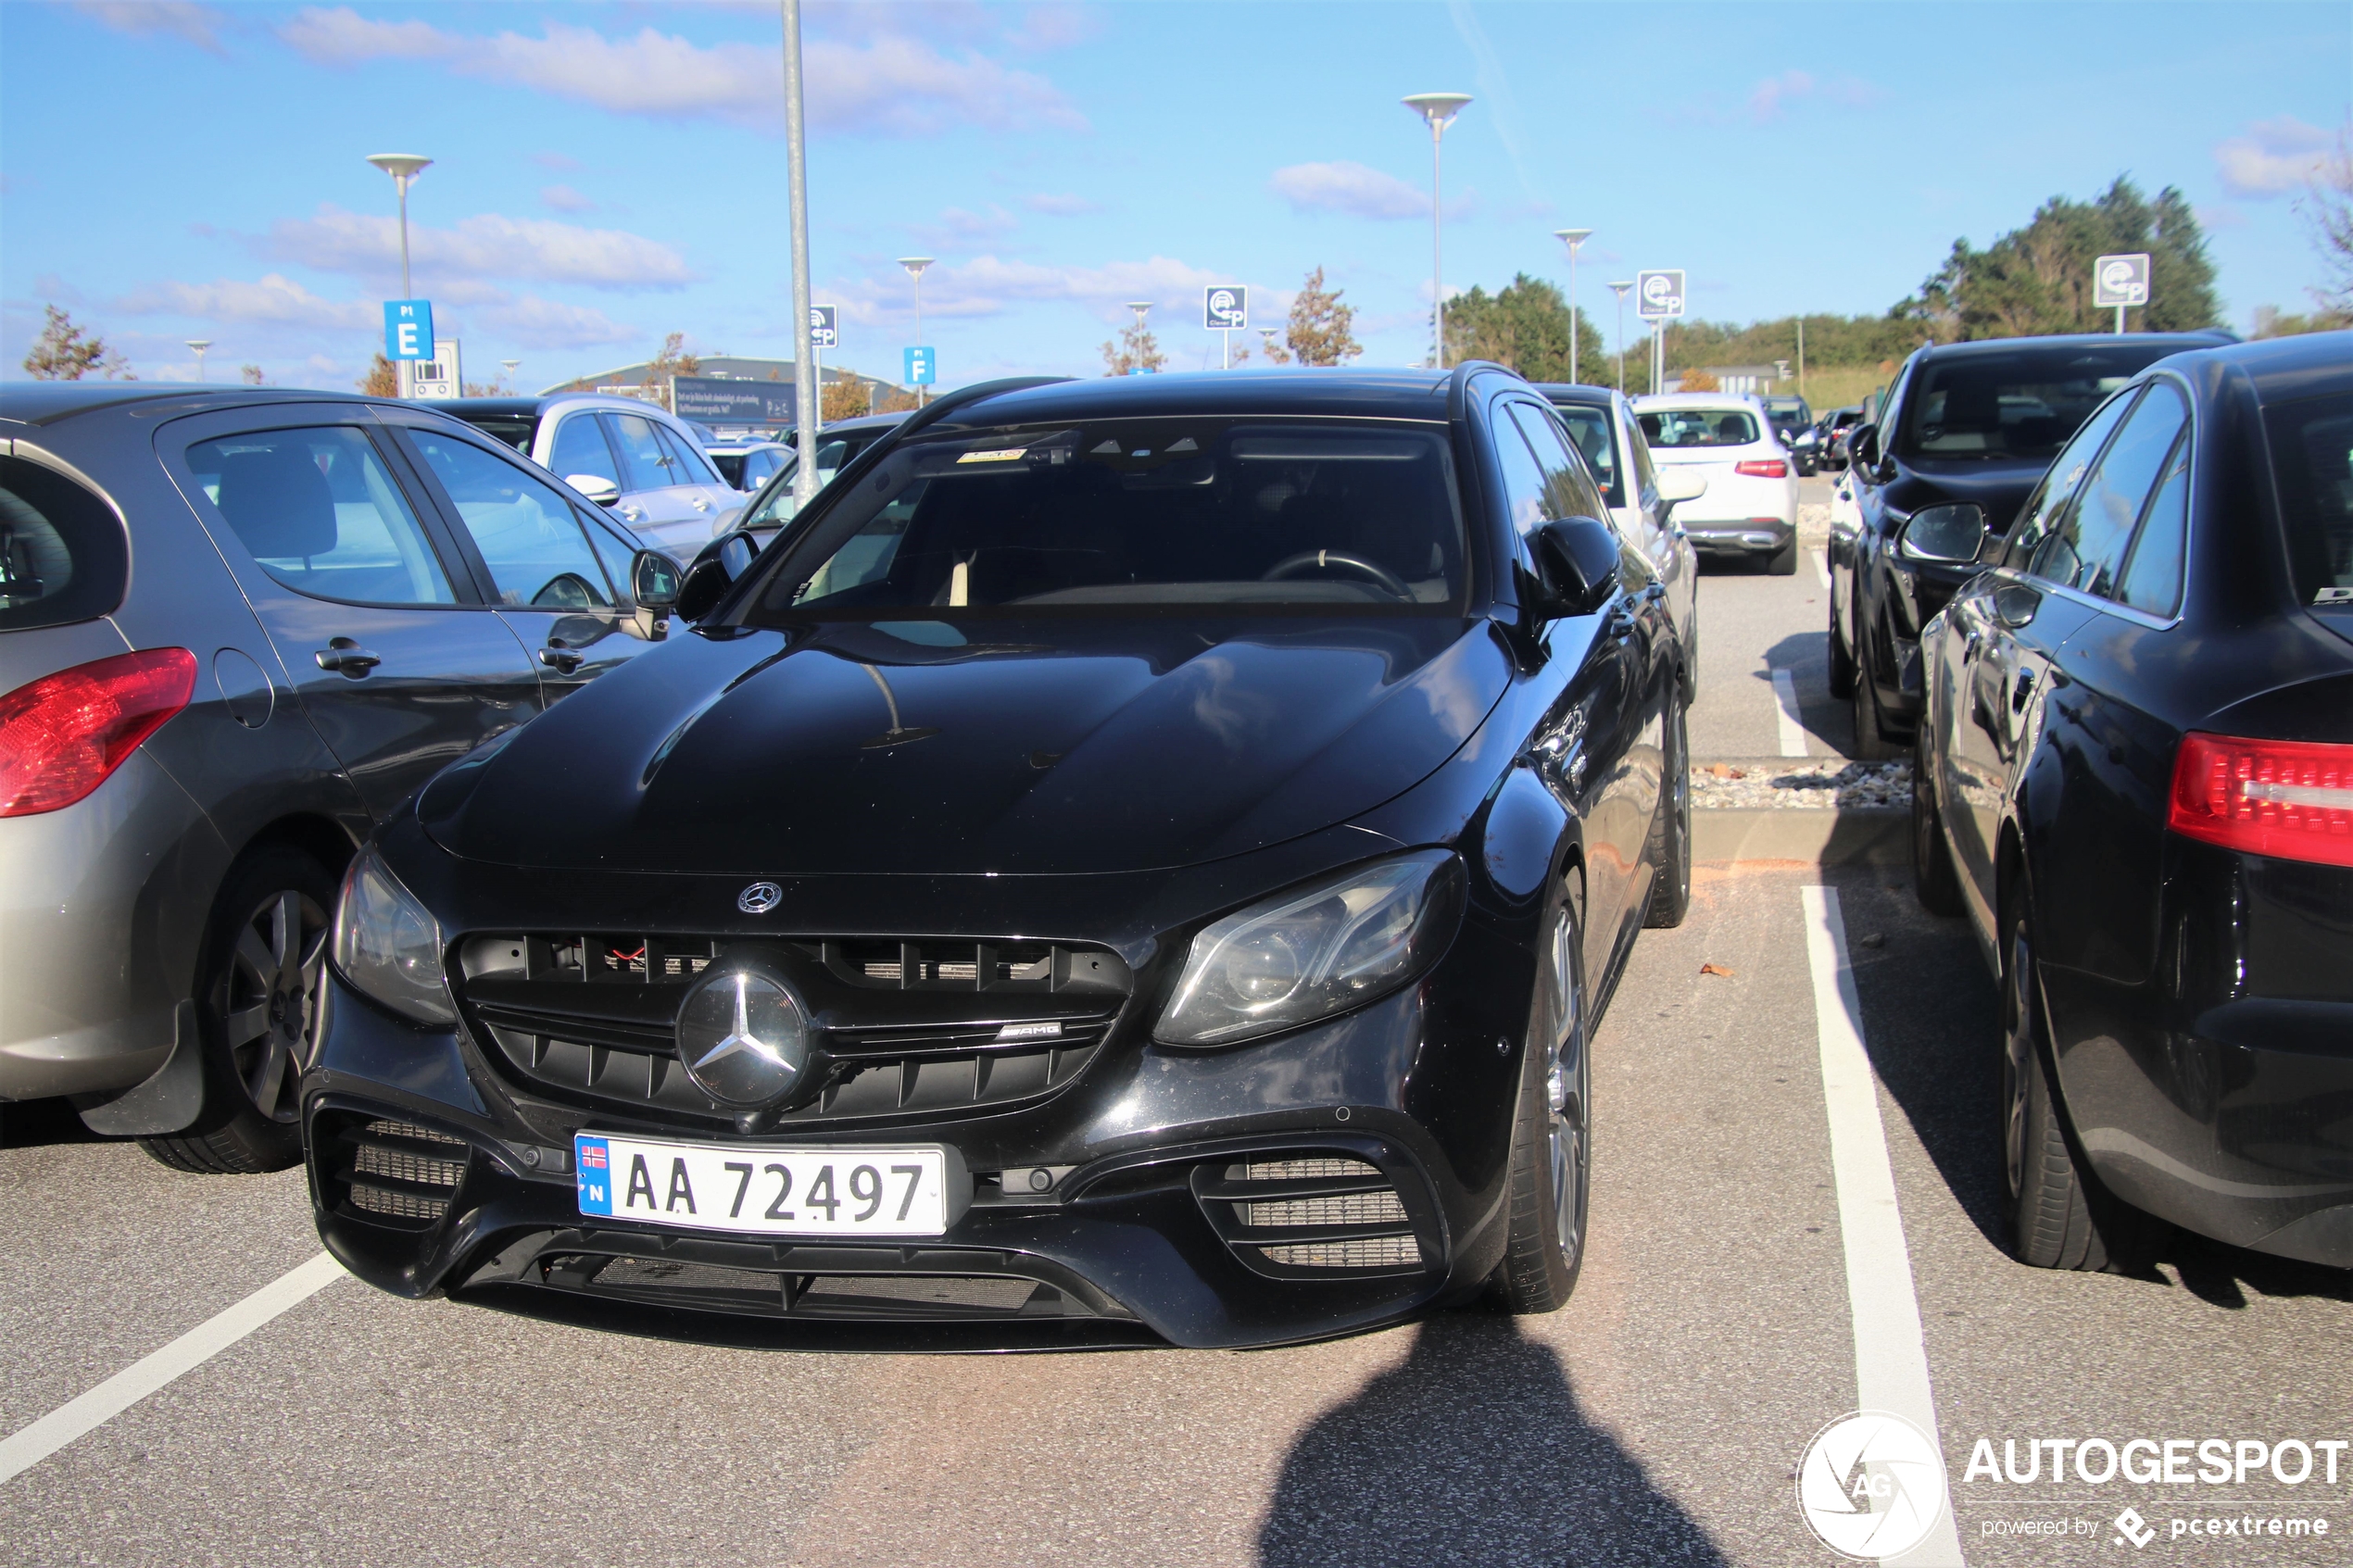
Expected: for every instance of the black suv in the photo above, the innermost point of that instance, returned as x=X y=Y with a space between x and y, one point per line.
x=1968 y=427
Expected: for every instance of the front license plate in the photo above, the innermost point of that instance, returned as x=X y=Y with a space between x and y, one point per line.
x=756 y=1189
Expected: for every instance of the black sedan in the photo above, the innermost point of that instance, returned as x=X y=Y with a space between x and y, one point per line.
x=1968 y=430
x=2136 y=776
x=1137 y=859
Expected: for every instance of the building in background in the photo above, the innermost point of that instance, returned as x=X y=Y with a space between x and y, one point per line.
x=769 y=385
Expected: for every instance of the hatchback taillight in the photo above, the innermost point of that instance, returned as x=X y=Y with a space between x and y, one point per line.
x=2292 y=799
x=1763 y=468
x=62 y=735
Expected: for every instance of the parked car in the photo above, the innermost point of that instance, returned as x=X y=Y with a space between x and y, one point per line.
x=1601 y=424
x=1145 y=854
x=1837 y=425
x=1969 y=425
x=1793 y=423
x=648 y=467
x=237 y=627
x=837 y=445
x=2135 y=778
x=748 y=462
x=1750 y=507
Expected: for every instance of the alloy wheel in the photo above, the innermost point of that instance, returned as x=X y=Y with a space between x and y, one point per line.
x=2018 y=1048
x=270 y=999
x=1566 y=1094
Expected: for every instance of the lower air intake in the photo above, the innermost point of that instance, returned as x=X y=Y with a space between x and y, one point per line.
x=1382 y=1252
x=399 y=1172
x=1315 y=1215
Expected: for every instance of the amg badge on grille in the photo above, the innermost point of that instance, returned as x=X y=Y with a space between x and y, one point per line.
x=742 y=1037
x=760 y=898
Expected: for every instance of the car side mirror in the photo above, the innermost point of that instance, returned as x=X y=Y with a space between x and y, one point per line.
x=1681 y=485
x=1578 y=558
x=717 y=566
x=654 y=581
x=1951 y=535
x=604 y=492
x=1862 y=446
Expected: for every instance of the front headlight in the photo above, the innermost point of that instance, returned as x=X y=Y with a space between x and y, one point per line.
x=1305 y=956
x=389 y=945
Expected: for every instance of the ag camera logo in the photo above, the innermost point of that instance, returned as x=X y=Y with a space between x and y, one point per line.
x=1871 y=1485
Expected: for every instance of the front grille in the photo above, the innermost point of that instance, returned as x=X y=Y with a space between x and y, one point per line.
x=902 y=1027
x=1317 y=1215
x=399 y=1172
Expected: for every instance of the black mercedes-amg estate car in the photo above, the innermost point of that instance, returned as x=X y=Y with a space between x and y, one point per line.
x=1135 y=859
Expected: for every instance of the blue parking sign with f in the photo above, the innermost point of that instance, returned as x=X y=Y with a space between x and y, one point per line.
x=923 y=367
x=408 y=328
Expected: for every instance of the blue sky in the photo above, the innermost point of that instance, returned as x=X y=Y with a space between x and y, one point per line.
x=609 y=172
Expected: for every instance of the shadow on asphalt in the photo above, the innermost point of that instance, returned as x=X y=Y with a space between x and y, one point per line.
x=30 y=1124
x=1473 y=1451
x=1931 y=1022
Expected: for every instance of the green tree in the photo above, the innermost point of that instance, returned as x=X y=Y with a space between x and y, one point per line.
x=1136 y=348
x=1525 y=326
x=1321 y=325
x=2326 y=208
x=64 y=352
x=2038 y=278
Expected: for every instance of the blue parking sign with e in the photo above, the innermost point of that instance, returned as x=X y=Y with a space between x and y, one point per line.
x=923 y=367
x=408 y=328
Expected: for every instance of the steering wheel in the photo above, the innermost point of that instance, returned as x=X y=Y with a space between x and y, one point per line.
x=1320 y=560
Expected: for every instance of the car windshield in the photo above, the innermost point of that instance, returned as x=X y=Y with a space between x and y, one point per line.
x=1165 y=513
x=1789 y=411
x=2312 y=457
x=1670 y=428
x=2023 y=404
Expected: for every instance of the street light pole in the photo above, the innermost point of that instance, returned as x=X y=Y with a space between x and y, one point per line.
x=1439 y=109
x=915 y=265
x=403 y=168
x=1573 y=238
x=807 y=414
x=200 y=345
x=1621 y=290
x=1143 y=307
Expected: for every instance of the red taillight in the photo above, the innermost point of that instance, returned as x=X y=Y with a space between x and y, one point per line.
x=2292 y=799
x=1763 y=468
x=60 y=736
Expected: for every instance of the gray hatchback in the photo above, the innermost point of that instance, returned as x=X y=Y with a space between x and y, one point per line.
x=236 y=628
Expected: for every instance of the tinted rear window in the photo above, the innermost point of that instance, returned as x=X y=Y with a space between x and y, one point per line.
x=63 y=557
x=2020 y=405
x=2312 y=457
x=1671 y=428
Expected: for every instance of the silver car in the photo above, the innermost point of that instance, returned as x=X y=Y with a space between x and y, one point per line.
x=236 y=628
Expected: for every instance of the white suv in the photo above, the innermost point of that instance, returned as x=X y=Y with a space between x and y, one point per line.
x=1750 y=507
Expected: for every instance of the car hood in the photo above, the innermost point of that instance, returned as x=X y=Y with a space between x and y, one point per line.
x=922 y=747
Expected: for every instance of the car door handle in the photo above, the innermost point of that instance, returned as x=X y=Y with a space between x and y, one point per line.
x=698 y=503
x=343 y=657
x=562 y=660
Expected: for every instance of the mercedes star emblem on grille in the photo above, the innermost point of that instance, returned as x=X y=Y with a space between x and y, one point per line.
x=760 y=898
x=742 y=1037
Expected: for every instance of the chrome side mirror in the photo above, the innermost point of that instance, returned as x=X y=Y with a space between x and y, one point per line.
x=604 y=492
x=1951 y=535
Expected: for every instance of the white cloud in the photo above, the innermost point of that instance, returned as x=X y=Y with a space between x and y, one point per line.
x=275 y=300
x=1348 y=187
x=889 y=84
x=1060 y=206
x=2276 y=155
x=183 y=20
x=488 y=245
x=563 y=199
x=533 y=323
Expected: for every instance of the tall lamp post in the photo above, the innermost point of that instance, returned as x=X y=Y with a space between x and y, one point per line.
x=403 y=168
x=1439 y=109
x=200 y=345
x=1621 y=290
x=915 y=265
x=1143 y=307
x=1572 y=238
x=808 y=413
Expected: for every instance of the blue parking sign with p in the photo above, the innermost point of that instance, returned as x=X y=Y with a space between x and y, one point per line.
x=923 y=367
x=408 y=328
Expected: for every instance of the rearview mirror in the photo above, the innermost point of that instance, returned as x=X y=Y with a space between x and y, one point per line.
x=1862 y=446
x=1952 y=535
x=604 y=492
x=1681 y=485
x=1577 y=557
x=654 y=581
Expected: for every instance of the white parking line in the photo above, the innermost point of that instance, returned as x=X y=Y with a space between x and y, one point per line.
x=26 y=1447
x=1821 y=566
x=1891 y=1360
x=1785 y=700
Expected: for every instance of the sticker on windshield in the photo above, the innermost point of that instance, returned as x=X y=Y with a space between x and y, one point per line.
x=2333 y=597
x=998 y=455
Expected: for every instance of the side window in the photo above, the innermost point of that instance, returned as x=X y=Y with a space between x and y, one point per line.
x=1588 y=430
x=2043 y=508
x=2085 y=546
x=1569 y=492
x=645 y=464
x=525 y=530
x=686 y=460
x=1646 y=475
x=319 y=511
x=580 y=449
x=63 y=557
x=617 y=555
x=2153 y=578
x=1523 y=480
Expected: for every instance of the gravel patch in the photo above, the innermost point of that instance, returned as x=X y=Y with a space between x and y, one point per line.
x=1857 y=785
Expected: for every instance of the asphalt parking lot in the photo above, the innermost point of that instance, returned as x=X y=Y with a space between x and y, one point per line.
x=1657 y=1419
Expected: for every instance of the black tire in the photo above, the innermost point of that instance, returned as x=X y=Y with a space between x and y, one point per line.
x=1871 y=743
x=1783 y=561
x=1842 y=671
x=257 y=981
x=1670 y=849
x=2060 y=1218
x=1934 y=878
x=1552 y=1153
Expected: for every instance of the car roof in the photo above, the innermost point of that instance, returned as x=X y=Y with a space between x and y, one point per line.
x=1988 y=347
x=867 y=421
x=1742 y=401
x=461 y=406
x=1391 y=394
x=1579 y=392
x=2284 y=367
x=48 y=402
